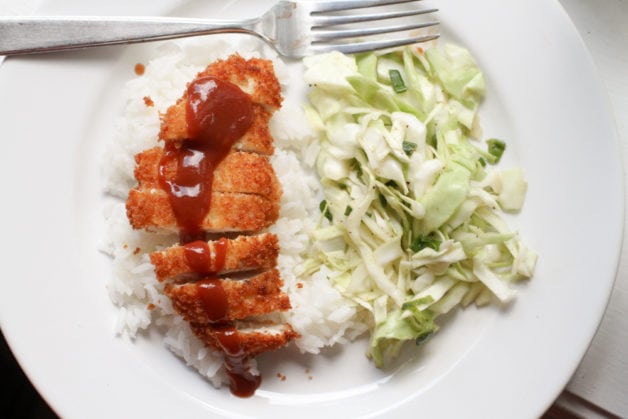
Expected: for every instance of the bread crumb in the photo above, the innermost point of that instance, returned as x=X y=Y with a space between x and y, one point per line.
x=139 y=69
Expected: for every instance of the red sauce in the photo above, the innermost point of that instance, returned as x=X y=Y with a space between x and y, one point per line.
x=213 y=299
x=241 y=382
x=199 y=257
x=218 y=113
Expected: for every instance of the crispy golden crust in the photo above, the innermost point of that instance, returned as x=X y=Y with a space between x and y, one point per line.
x=239 y=171
x=253 y=342
x=257 y=138
x=255 y=77
x=245 y=196
x=229 y=212
x=245 y=253
x=260 y=294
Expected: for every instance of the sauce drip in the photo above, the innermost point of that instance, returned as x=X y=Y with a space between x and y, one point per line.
x=213 y=299
x=241 y=382
x=218 y=113
x=199 y=257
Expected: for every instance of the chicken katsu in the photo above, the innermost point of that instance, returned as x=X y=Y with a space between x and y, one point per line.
x=255 y=77
x=256 y=140
x=244 y=193
x=229 y=212
x=254 y=338
x=253 y=296
x=238 y=172
x=213 y=177
x=223 y=256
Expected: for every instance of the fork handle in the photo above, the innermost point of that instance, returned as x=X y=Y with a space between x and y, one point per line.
x=27 y=35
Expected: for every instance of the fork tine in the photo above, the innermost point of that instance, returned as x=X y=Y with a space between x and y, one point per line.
x=372 y=45
x=320 y=21
x=326 y=34
x=334 y=6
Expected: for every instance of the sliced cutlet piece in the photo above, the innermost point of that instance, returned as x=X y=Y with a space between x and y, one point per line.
x=257 y=138
x=253 y=339
x=150 y=209
x=255 y=77
x=242 y=254
x=239 y=172
x=235 y=299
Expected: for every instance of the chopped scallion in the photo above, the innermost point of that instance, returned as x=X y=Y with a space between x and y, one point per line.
x=397 y=82
x=421 y=242
x=325 y=210
x=496 y=148
x=408 y=148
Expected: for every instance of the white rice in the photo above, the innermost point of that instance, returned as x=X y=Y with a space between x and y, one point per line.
x=319 y=312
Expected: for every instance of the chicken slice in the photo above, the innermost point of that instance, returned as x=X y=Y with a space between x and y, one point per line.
x=252 y=339
x=150 y=209
x=197 y=302
x=257 y=138
x=245 y=253
x=255 y=77
x=240 y=172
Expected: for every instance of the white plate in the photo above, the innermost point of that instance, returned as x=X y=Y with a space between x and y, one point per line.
x=57 y=113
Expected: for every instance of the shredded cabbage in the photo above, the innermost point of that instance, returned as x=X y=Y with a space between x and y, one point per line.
x=411 y=224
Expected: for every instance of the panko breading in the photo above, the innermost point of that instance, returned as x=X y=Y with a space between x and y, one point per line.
x=259 y=294
x=242 y=254
x=239 y=172
x=254 y=76
x=253 y=340
x=150 y=209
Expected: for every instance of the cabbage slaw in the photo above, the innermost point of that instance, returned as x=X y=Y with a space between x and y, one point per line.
x=411 y=222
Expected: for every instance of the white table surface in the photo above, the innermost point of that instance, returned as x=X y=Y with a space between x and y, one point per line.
x=602 y=378
x=600 y=384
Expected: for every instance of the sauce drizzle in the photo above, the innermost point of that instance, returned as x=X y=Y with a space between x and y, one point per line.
x=218 y=113
x=213 y=299
x=241 y=382
x=199 y=256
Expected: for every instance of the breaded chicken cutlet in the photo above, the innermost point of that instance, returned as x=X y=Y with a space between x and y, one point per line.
x=245 y=194
x=231 y=314
x=253 y=296
x=254 y=337
x=242 y=254
x=255 y=77
x=150 y=209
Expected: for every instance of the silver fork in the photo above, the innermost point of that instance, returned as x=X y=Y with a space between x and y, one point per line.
x=293 y=29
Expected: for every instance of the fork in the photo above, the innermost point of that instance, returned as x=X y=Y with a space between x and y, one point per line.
x=293 y=29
